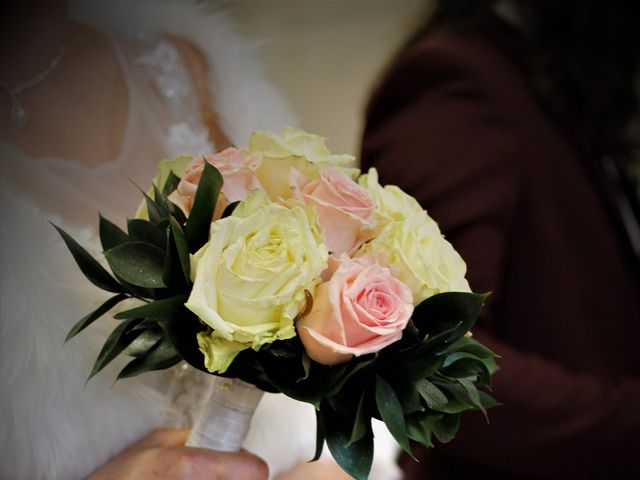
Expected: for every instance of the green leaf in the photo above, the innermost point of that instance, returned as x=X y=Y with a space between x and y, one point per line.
x=419 y=428
x=182 y=331
x=93 y=316
x=146 y=232
x=432 y=395
x=416 y=433
x=228 y=210
x=161 y=356
x=417 y=364
x=453 y=406
x=391 y=412
x=110 y=234
x=144 y=342
x=472 y=394
x=199 y=221
x=459 y=400
x=446 y=429
x=147 y=324
x=471 y=351
x=408 y=395
x=159 y=308
x=487 y=400
x=156 y=214
x=118 y=340
x=137 y=263
x=89 y=266
x=445 y=311
x=179 y=240
x=285 y=374
x=349 y=373
x=354 y=458
x=170 y=184
x=456 y=356
x=468 y=367
x=470 y=345
x=320 y=435
x=165 y=205
x=360 y=427
x=136 y=291
x=175 y=271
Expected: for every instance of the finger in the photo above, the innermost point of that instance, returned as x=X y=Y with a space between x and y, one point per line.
x=211 y=465
x=162 y=437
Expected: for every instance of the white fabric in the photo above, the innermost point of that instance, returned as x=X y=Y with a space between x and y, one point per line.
x=224 y=422
x=52 y=425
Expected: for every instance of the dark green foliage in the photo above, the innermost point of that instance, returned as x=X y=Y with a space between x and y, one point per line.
x=229 y=209
x=391 y=412
x=96 y=314
x=91 y=268
x=150 y=262
x=320 y=436
x=119 y=339
x=146 y=232
x=160 y=308
x=110 y=234
x=170 y=184
x=355 y=458
x=159 y=356
x=204 y=204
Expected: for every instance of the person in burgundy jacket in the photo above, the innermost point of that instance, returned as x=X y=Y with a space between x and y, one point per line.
x=512 y=124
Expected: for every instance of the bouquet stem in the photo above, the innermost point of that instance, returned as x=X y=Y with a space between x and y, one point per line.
x=223 y=422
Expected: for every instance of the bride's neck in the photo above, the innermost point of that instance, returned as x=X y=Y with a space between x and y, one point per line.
x=32 y=32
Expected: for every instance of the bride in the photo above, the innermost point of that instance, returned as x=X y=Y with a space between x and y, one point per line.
x=82 y=111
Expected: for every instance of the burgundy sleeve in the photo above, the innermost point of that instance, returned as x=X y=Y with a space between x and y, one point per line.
x=434 y=131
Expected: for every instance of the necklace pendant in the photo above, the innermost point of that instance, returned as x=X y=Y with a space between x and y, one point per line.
x=18 y=115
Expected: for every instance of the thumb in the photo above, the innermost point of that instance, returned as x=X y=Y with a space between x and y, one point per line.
x=214 y=465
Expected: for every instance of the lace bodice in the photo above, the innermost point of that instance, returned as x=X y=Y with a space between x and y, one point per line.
x=163 y=120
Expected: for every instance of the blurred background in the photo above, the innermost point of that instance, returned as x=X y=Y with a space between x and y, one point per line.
x=326 y=55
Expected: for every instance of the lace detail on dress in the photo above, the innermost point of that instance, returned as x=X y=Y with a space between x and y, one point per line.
x=168 y=71
x=170 y=75
x=184 y=140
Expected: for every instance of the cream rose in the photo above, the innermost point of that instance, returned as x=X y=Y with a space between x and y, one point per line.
x=294 y=149
x=425 y=260
x=237 y=167
x=361 y=309
x=297 y=143
x=250 y=278
x=345 y=210
x=392 y=204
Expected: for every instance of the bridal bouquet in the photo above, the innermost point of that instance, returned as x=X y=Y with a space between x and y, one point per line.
x=280 y=267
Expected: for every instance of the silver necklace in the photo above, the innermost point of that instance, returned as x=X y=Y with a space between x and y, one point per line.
x=17 y=113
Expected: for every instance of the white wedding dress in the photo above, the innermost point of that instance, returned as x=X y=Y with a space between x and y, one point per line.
x=52 y=425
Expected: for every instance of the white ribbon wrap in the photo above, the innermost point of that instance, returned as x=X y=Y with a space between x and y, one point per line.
x=223 y=422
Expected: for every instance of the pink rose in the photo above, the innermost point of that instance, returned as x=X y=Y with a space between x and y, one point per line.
x=344 y=208
x=361 y=309
x=237 y=167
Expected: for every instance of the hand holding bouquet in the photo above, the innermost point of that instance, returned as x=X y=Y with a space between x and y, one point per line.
x=280 y=266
